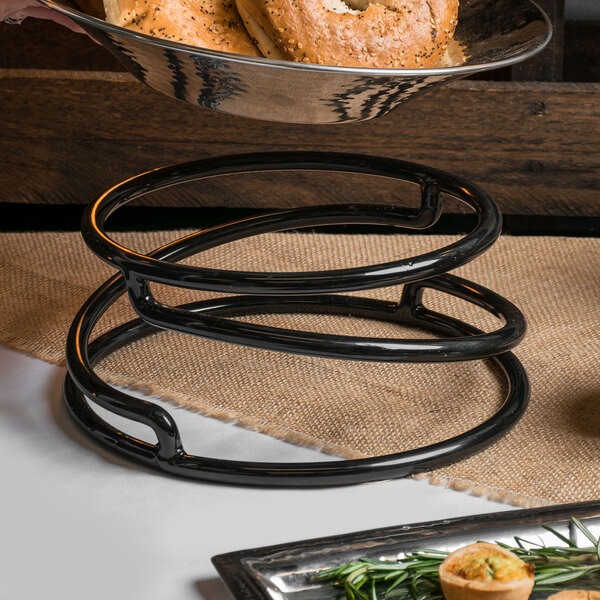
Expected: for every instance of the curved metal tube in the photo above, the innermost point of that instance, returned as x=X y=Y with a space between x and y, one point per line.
x=298 y=292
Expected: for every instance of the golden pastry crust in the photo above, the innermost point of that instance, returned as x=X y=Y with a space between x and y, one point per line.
x=212 y=24
x=393 y=34
x=459 y=578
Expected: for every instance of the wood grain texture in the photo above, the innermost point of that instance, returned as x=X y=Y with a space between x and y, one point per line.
x=44 y=44
x=548 y=64
x=67 y=137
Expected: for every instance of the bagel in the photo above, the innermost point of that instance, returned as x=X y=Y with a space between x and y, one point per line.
x=212 y=24
x=355 y=33
x=485 y=571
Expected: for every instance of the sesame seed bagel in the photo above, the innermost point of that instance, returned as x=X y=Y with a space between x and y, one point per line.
x=212 y=24
x=355 y=33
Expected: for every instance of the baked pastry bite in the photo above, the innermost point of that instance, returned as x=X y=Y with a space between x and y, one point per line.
x=212 y=24
x=485 y=571
x=356 y=33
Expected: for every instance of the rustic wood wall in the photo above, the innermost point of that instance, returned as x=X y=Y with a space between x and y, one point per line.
x=67 y=136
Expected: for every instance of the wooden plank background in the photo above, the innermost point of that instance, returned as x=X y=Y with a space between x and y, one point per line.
x=67 y=136
x=548 y=64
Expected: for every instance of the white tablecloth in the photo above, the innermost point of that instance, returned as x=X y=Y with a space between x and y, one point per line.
x=80 y=524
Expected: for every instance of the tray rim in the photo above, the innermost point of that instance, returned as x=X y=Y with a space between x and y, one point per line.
x=81 y=17
x=240 y=582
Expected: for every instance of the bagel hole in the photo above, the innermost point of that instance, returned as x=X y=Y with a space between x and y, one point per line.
x=353 y=7
x=341 y=7
x=359 y=5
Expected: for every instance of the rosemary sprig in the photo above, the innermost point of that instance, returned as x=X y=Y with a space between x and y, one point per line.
x=415 y=576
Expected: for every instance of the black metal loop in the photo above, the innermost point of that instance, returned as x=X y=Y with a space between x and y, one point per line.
x=297 y=292
x=432 y=183
x=474 y=346
x=168 y=455
x=139 y=269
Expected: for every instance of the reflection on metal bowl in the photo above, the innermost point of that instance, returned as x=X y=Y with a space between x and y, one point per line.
x=490 y=34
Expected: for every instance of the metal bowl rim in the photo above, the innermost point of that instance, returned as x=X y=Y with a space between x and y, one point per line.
x=79 y=16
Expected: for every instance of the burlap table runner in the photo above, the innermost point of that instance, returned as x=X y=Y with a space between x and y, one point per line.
x=356 y=409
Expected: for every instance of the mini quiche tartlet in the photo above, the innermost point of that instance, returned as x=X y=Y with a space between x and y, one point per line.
x=485 y=572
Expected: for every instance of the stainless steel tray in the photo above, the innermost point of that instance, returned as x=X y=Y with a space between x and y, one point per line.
x=490 y=34
x=284 y=572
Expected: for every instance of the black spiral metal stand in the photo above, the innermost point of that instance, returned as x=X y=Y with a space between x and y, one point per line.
x=293 y=292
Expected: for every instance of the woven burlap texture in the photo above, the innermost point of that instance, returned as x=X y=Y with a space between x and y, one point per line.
x=355 y=409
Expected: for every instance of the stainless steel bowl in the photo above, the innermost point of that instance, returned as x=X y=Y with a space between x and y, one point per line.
x=490 y=34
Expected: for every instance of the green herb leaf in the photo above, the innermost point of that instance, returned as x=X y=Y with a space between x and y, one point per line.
x=560 y=536
x=416 y=575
